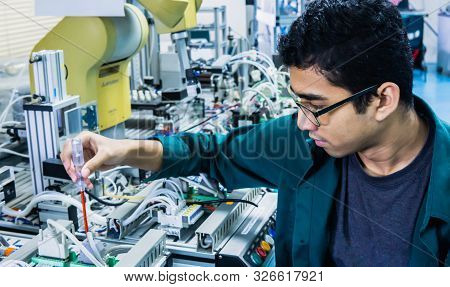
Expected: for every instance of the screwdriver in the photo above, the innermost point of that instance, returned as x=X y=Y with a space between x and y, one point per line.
x=78 y=162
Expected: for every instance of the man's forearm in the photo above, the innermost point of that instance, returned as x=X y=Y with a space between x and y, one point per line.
x=143 y=154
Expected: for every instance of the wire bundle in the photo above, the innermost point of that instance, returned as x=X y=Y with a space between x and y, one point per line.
x=166 y=193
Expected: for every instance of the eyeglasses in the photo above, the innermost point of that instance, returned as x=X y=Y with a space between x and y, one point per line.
x=313 y=116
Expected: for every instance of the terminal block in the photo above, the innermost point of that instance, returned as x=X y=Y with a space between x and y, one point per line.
x=186 y=217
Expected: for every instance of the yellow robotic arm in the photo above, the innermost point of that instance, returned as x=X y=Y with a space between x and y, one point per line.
x=97 y=51
x=173 y=15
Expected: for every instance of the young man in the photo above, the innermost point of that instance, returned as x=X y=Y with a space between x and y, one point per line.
x=362 y=169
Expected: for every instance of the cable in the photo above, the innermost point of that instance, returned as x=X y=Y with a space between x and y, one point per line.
x=72 y=238
x=158 y=194
x=9 y=123
x=3 y=241
x=209 y=118
x=205 y=188
x=153 y=206
x=140 y=210
x=53 y=196
x=255 y=54
x=10 y=104
x=178 y=188
x=165 y=201
x=14 y=263
x=118 y=249
x=261 y=94
x=112 y=182
x=115 y=169
x=169 y=193
x=206 y=180
x=104 y=202
x=5 y=150
x=93 y=246
x=222 y=201
x=259 y=67
x=128 y=197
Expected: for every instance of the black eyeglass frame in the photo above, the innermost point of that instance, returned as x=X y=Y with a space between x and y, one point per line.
x=328 y=109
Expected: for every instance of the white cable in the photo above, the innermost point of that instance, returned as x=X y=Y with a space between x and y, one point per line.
x=113 y=183
x=117 y=249
x=259 y=67
x=166 y=201
x=148 y=209
x=53 y=196
x=250 y=61
x=93 y=246
x=274 y=90
x=270 y=72
x=169 y=193
x=3 y=122
x=205 y=188
x=14 y=263
x=177 y=187
x=256 y=54
x=138 y=212
x=269 y=102
x=115 y=169
x=72 y=238
x=9 y=123
x=5 y=150
x=154 y=195
x=5 y=111
x=205 y=179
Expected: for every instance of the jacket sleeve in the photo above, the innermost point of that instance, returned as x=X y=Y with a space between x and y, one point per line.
x=252 y=156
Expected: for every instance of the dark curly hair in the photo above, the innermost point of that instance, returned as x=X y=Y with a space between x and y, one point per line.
x=354 y=44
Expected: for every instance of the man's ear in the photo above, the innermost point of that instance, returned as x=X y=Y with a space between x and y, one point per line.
x=388 y=100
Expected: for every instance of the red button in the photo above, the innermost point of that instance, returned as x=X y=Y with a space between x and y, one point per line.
x=261 y=252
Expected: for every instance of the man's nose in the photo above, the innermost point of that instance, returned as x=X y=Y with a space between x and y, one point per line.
x=304 y=124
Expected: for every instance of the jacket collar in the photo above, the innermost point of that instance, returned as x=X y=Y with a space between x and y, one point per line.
x=438 y=195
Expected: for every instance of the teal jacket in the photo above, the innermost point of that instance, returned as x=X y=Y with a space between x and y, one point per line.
x=276 y=154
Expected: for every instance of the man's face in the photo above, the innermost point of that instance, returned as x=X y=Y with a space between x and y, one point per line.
x=342 y=131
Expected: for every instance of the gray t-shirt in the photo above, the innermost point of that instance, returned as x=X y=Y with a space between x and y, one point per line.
x=375 y=217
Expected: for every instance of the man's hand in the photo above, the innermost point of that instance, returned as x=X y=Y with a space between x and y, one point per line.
x=100 y=153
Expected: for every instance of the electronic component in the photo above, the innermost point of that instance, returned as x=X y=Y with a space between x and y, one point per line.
x=53 y=168
x=148 y=251
x=145 y=98
x=44 y=128
x=49 y=75
x=173 y=94
x=6 y=251
x=115 y=228
x=253 y=243
x=7 y=184
x=55 y=244
x=57 y=211
x=173 y=224
x=11 y=242
x=50 y=248
x=213 y=231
